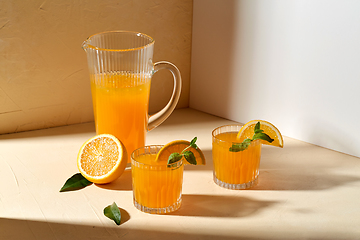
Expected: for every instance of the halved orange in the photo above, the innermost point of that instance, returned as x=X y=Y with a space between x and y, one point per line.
x=178 y=146
x=247 y=131
x=102 y=159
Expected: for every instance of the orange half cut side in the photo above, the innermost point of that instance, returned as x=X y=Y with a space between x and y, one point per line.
x=102 y=159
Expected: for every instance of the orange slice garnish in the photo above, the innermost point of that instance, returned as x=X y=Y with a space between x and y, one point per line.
x=247 y=131
x=178 y=146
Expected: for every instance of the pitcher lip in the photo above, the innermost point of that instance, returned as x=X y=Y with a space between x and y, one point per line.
x=88 y=45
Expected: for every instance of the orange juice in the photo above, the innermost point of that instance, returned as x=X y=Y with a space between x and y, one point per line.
x=235 y=170
x=156 y=186
x=120 y=103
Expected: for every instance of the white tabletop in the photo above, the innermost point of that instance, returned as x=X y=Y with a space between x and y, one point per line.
x=304 y=191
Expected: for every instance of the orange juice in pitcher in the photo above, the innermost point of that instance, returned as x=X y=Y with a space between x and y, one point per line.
x=121 y=67
x=120 y=103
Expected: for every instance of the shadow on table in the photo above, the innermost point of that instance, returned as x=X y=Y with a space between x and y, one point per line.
x=16 y=229
x=203 y=205
x=124 y=182
x=29 y=229
x=294 y=173
x=296 y=169
x=301 y=179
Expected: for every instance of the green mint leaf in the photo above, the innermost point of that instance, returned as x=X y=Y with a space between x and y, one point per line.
x=174 y=157
x=113 y=212
x=257 y=126
x=190 y=157
x=247 y=140
x=76 y=182
x=258 y=131
x=237 y=147
x=192 y=143
x=263 y=136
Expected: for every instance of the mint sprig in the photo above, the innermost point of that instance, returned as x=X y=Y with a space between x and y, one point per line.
x=258 y=134
x=188 y=155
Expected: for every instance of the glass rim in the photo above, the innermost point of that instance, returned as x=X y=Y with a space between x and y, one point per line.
x=253 y=143
x=170 y=166
x=151 y=41
x=223 y=126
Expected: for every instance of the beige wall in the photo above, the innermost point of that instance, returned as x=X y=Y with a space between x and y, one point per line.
x=43 y=71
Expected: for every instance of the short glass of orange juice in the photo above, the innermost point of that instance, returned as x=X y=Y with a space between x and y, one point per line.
x=234 y=170
x=157 y=186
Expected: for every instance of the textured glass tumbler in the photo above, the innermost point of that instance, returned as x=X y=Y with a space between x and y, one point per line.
x=156 y=186
x=234 y=170
x=121 y=66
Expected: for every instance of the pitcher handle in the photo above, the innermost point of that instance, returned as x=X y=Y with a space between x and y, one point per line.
x=159 y=117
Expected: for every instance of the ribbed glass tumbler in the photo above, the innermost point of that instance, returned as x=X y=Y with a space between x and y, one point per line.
x=234 y=170
x=157 y=186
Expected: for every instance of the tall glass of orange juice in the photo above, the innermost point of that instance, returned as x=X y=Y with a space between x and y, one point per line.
x=157 y=186
x=121 y=67
x=234 y=170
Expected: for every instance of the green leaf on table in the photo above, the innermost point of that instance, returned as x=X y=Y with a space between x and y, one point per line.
x=113 y=212
x=76 y=182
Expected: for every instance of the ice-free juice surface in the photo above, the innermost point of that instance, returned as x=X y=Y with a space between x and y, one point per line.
x=155 y=185
x=235 y=167
x=120 y=103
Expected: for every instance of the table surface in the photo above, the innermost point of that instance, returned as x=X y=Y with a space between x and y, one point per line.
x=304 y=191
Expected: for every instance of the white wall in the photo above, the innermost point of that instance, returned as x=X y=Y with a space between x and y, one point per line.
x=295 y=63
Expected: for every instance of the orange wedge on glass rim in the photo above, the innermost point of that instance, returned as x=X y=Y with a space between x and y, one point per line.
x=247 y=131
x=178 y=146
x=102 y=159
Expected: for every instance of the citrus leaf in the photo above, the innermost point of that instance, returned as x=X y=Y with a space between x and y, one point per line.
x=263 y=136
x=190 y=157
x=237 y=147
x=257 y=126
x=76 y=182
x=192 y=143
x=113 y=212
x=174 y=157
